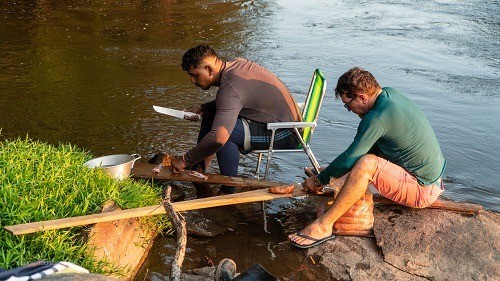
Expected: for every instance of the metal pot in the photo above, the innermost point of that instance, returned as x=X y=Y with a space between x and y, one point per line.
x=118 y=166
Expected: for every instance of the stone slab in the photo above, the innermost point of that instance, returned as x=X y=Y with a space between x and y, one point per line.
x=438 y=244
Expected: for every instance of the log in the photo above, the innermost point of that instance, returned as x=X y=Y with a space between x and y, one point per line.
x=145 y=171
x=231 y=199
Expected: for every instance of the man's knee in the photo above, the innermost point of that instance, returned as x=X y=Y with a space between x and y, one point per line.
x=367 y=164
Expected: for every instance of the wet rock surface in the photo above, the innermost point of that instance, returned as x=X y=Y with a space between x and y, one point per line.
x=211 y=222
x=438 y=244
x=413 y=244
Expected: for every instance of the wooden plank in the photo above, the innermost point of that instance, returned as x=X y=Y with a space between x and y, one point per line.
x=231 y=199
x=144 y=170
x=465 y=208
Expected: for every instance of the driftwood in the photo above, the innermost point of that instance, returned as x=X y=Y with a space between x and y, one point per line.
x=180 y=227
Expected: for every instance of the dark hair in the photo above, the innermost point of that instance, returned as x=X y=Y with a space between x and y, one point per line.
x=356 y=81
x=194 y=56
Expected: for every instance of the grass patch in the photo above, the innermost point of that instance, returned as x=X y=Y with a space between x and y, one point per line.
x=43 y=182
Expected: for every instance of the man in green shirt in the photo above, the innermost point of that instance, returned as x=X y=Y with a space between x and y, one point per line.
x=395 y=150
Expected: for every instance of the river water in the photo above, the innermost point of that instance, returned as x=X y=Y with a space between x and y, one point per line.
x=88 y=72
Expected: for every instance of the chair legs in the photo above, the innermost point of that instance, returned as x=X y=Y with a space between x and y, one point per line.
x=308 y=151
x=312 y=158
x=270 y=153
x=259 y=160
x=268 y=163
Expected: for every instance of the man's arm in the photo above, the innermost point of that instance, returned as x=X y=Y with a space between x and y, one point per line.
x=370 y=129
x=228 y=106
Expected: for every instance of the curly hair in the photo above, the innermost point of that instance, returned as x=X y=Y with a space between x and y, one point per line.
x=356 y=81
x=194 y=56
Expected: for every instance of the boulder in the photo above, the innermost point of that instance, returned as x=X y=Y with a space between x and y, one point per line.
x=438 y=244
x=411 y=244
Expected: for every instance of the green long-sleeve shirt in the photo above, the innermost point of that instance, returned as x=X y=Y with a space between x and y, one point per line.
x=397 y=129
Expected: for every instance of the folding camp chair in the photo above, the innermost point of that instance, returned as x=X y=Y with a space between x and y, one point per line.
x=309 y=116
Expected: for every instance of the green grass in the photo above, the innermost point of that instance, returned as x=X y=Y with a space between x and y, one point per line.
x=42 y=182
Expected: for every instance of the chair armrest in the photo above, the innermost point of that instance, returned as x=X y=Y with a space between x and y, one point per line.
x=287 y=125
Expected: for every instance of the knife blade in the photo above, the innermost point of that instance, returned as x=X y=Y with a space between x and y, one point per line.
x=174 y=112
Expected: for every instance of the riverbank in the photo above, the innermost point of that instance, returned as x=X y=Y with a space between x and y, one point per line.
x=43 y=182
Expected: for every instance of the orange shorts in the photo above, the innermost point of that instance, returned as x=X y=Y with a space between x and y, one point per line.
x=395 y=183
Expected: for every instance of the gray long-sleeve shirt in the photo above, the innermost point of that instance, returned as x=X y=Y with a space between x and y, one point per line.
x=246 y=90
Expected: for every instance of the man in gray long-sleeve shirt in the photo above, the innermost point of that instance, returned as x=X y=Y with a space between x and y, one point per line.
x=248 y=98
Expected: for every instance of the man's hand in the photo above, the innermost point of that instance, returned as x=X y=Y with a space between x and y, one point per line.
x=178 y=164
x=194 y=109
x=312 y=184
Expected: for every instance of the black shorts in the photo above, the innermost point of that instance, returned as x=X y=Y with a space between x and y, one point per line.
x=258 y=137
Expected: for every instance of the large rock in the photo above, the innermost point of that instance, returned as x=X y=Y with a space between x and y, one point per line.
x=355 y=258
x=440 y=245
x=410 y=244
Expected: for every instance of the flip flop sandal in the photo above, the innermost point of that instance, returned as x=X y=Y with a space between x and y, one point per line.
x=315 y=243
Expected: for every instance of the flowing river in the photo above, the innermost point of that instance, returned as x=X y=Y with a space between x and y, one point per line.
x=88 y=73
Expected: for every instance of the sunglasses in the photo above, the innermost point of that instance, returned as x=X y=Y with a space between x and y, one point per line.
x=346 y=105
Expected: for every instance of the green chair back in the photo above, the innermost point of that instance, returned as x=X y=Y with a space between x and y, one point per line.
x=313 y=103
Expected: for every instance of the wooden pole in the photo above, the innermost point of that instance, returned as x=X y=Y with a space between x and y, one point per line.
x=231 y=199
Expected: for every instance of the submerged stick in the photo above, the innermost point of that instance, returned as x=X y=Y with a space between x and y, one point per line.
x=180 y=227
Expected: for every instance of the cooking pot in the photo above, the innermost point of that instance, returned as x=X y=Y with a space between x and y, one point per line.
x=118 y=166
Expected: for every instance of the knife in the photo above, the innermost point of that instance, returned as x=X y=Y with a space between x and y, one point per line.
x=174 y=112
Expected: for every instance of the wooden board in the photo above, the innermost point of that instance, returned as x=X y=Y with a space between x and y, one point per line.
x=231 y=199
x=144 y=170
x=237 y=198
x=464 y=208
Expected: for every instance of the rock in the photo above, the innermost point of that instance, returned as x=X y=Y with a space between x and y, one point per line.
x=438 y=244
x=410 y=244
x=200 y=274
x=355 y=258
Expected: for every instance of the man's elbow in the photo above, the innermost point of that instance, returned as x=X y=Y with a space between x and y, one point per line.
x=222 y=137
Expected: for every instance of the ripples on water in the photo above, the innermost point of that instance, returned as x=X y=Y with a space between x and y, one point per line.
x=89 y=72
